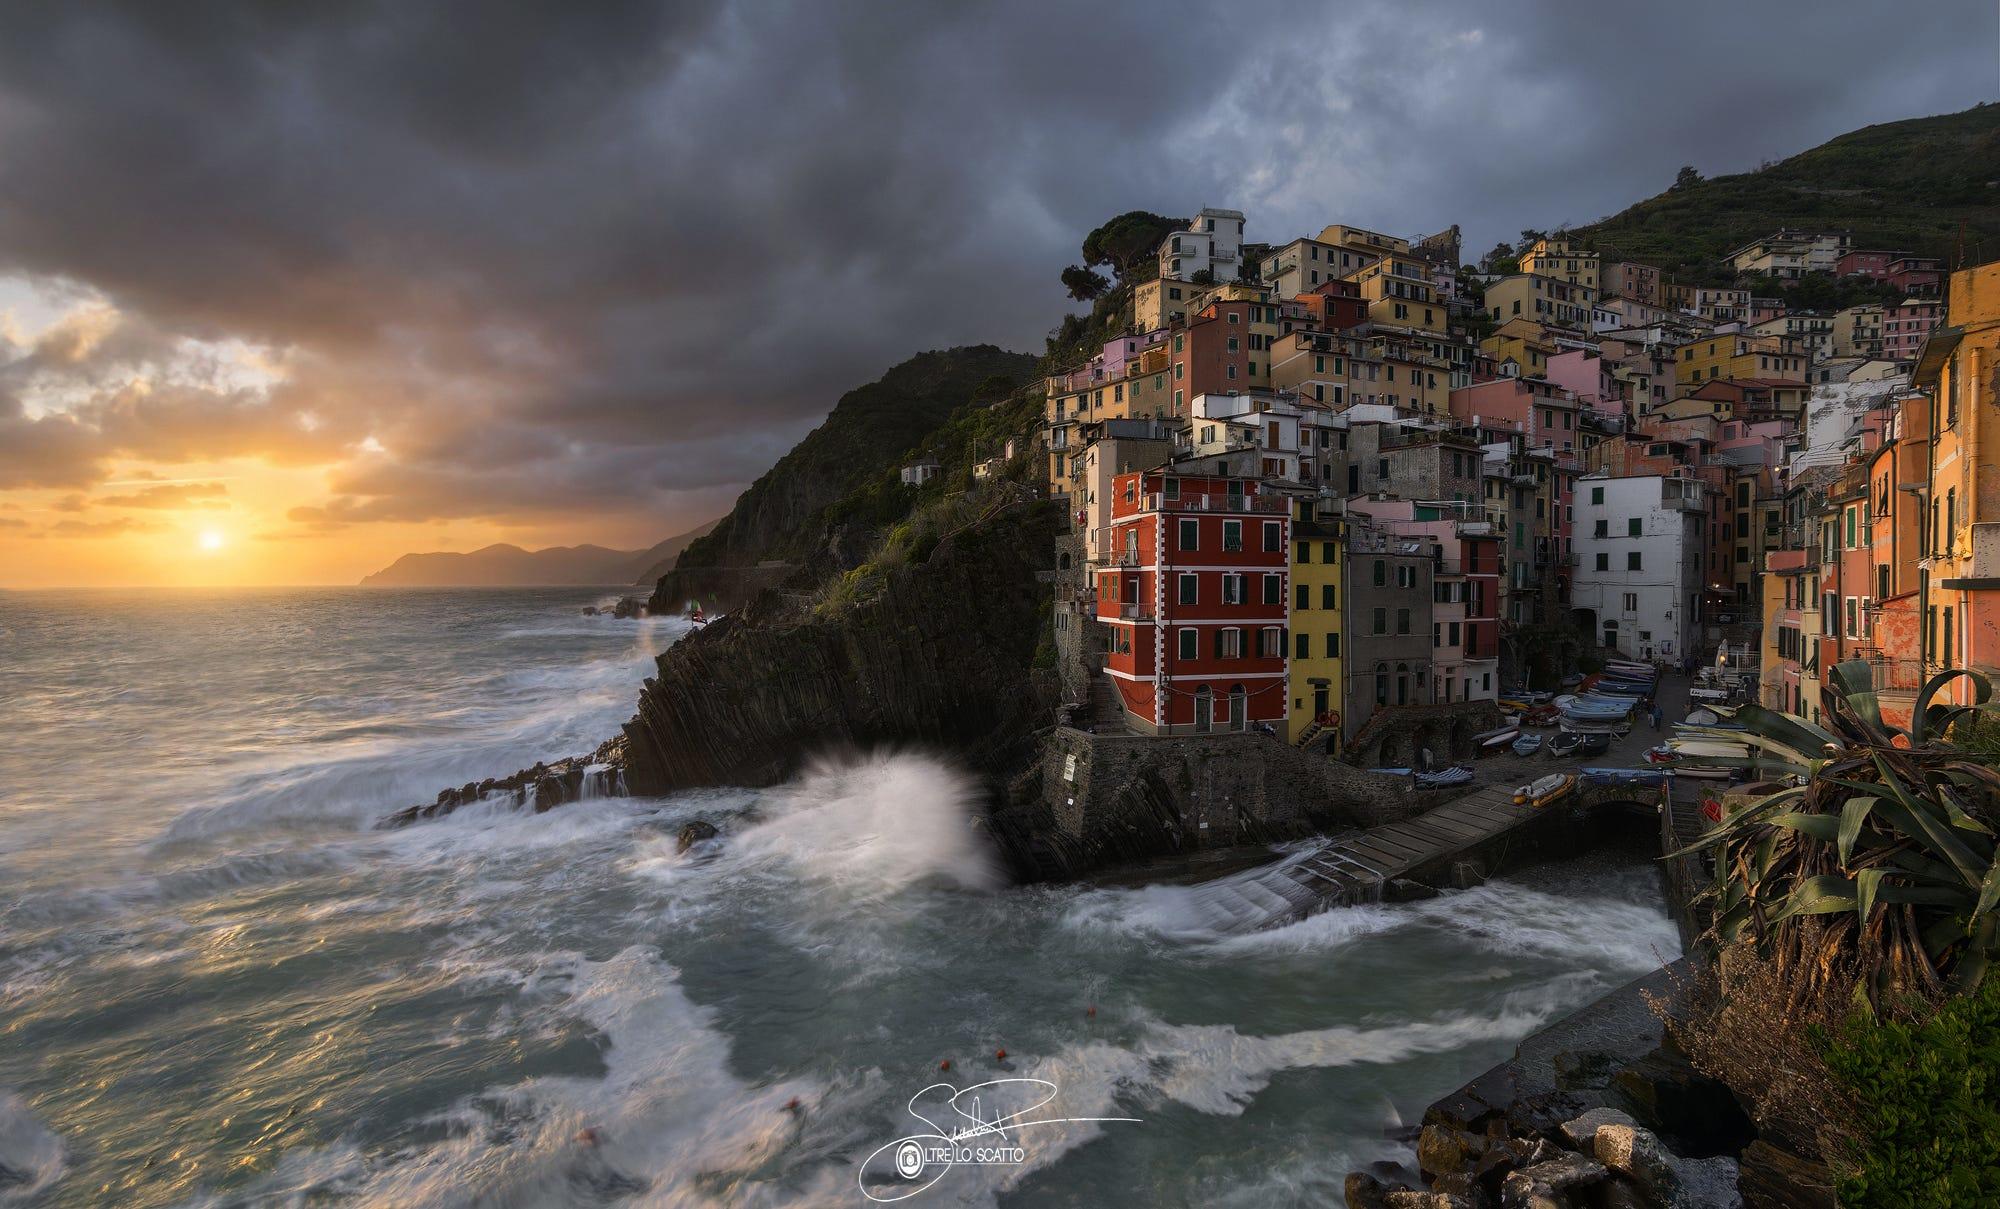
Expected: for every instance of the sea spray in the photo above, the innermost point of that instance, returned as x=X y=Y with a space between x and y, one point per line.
x=875 y=824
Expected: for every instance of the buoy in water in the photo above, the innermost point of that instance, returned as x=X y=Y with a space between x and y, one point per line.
x=1091 y=1011
x=945 y=1065
x=999 y=1055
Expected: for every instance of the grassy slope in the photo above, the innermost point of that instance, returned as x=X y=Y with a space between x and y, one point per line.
x=1903 y=186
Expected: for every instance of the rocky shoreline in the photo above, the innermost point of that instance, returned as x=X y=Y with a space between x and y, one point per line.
x=1599 y=1110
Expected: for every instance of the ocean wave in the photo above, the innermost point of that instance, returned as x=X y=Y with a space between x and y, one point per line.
x=32 y=1157
x=874 y=825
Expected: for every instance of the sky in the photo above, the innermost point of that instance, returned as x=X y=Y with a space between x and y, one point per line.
x=289 y=290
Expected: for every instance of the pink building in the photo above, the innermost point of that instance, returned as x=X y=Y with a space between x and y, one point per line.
x=1905 y=325
x=1588 y=376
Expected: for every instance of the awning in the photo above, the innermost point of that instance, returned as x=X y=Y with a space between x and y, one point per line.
x=1938 y=347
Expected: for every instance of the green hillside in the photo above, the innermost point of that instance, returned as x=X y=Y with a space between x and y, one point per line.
x=1903 y=186
x=783 y=515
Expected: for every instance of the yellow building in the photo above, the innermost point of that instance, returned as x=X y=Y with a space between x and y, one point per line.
x=1525 y=343
x=1739 y=356
x=1315 y=365
x=1541 y=299
x=1961 y=606
x=1314 y=670
x=1158 y=302
x=1560 y=257
x=1398 y=291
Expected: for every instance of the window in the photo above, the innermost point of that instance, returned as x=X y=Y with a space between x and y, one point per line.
x=1302 y=552
x=1597 y=495
x=1603 y=528
x=1326 y=597
x=1270 y=643
x=1381 y=621
x=1631 y=602
x=1603 y=562
x=1302 y=645
x=1381 y=573
x=1229 y=644
x=1190 y=587
x=1190 y=534
x=1274 y=536
x=1301 y=597
x=1232 y=535
x=1274 y=589
x=1632 y=561
x=1232 y=589
x=1402 y=621
x=1327 y=554
x=1632 y=527
x=1171 y=488
x=1190 y=644
x=1333 y=646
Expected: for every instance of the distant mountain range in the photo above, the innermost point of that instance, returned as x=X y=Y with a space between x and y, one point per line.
x=505 y=566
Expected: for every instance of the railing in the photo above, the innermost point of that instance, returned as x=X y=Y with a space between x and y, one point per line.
x=1207 y=503
x=1136 y=611
x=1896 y=675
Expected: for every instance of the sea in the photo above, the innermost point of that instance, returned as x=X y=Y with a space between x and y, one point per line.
x=223 y=984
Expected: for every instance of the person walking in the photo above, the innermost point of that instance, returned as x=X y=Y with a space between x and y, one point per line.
x=1655 y=712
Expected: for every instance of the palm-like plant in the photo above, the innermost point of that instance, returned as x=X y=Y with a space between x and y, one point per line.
x=1880 y=866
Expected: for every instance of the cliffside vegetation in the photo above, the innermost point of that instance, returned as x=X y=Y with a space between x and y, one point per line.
x=870 y=431
x=1905 y=186
x=1858 y=914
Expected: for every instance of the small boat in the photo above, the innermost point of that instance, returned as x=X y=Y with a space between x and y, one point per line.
x=1541 y=715
x=1543 y=790
x=1663 y=754
x=1494 y=740
x=1444 y=778
x=1565 y=744
x=1527 y=745
x=1702 y=717
x=1595 y=743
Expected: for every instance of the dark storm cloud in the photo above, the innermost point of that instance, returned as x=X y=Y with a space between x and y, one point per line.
x=613 y=259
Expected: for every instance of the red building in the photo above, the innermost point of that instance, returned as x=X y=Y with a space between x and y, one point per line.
x=1195 y=592
x=1335 y=305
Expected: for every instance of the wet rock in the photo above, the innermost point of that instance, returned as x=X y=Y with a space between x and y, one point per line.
x=693 y=833
x=1442 y=1150
x=1582 y=1131
x=1364 y=1191
x=628 y=608
x=590 y=610
x=1466 y=1187
x=1550 y=1185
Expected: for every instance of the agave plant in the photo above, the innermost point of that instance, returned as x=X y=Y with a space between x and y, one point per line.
x=1880 y=865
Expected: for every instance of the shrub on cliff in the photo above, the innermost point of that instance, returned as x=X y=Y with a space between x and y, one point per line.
x=1926 y=1092
x=1887 y=845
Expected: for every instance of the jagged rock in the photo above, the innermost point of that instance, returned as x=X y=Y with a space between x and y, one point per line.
x=1442 y=1150
x=1364 y=1191
x=1695 y=1114
x=1405 y=1198
x=1772 y=1177
x=1466 y=1187
x=1582 y=1131
x=694 y=833
x=1504 y=1156
x=1550 y=1185
x=590 y=610
x=1666 y=1179
x=629 y=607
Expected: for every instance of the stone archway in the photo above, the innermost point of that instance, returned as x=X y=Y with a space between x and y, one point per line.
x=1462 y=732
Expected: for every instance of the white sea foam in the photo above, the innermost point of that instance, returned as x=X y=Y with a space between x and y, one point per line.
x=874 y=825
x=31 y=1155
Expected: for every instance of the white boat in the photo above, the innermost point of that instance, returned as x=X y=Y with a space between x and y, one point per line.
x=1493 y=740
x=1543 y=790
x=1444 y=778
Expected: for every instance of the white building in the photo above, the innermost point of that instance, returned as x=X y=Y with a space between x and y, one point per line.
x=1638 y=545
x=1213 y=242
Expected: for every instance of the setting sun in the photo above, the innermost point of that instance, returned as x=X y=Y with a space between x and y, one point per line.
x=211 y=539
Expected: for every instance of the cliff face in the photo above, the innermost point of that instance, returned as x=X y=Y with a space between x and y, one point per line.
x=782 y=516
x=936 y=652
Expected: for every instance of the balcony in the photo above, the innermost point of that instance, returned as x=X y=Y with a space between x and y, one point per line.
x=1136 y=611
x=1156 y=502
